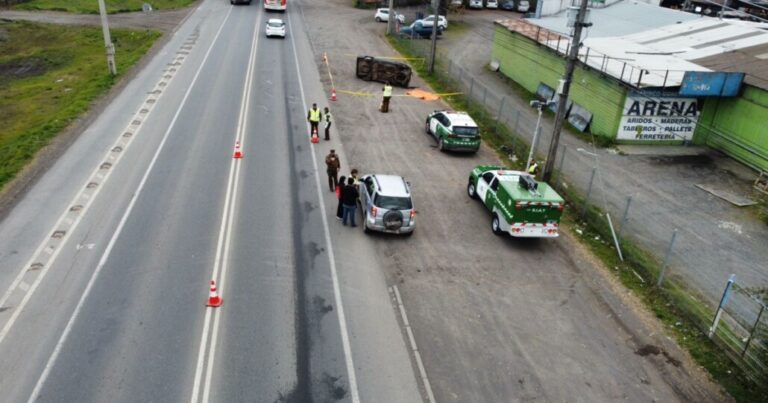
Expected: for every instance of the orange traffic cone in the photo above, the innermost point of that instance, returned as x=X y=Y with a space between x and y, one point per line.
x=315 y=139
x=213 y=298
x=333 y=94
x=238 y=152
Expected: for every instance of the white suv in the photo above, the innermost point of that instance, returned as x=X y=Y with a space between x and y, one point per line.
x=386 y=204
x=475 y=3
x=491 y=4
x=382 y=15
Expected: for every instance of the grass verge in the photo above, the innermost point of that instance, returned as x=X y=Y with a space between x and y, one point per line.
x=49 y=76
x=671 y=304
x=92 y=6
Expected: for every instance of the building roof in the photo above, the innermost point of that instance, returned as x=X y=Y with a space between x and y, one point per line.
x=622 y=18
x=752 y=60
x=654 y=52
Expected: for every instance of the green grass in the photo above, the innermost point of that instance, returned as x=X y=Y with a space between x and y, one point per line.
x=49 y=76
x=672 y=304
x=92 y=6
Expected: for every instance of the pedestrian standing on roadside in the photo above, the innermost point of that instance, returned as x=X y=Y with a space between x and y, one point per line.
x=332 y=165
x=339 y=190
x=349 y=199
x=353 y=175
x=328 y=122
x=314 y=116
x=386 y=95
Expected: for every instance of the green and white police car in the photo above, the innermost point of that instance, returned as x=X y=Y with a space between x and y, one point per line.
x=521 y=207
x=454 y=131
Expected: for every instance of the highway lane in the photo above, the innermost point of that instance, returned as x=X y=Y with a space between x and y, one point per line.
x=138 y=333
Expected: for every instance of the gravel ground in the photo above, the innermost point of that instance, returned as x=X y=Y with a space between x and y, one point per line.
x=495 y=319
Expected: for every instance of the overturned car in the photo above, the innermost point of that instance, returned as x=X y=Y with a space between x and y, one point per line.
x=372 y=69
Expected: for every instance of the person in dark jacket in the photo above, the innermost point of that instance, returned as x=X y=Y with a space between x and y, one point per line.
x=339 y=189
x=349 y=197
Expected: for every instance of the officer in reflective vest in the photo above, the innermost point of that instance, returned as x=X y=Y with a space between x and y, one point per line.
x=314 y=116
x=534 y=168
x=387 y=94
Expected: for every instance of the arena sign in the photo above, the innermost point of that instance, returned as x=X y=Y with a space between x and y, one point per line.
x=658 y=119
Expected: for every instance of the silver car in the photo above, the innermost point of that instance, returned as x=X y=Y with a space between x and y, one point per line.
x=386 y=204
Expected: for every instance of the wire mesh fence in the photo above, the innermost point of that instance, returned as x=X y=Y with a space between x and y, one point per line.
x=666 y=250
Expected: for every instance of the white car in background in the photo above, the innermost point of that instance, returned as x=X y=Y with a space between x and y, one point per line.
x=275 y=27
x=523 y=6
x=491 y=4
x=442 y=22
x=476 y=4
x=382 y=15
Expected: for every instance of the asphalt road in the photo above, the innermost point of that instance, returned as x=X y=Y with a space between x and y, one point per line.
x=148 y=206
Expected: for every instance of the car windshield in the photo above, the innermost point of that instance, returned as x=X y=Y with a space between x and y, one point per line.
x=275 y=24
x=465 y=131
x=393 y=203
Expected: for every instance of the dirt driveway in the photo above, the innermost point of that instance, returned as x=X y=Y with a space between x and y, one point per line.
x=495 y=319
x=165 y=20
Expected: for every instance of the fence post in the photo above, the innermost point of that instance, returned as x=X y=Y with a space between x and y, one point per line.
x=517 y=120
x=624 y=217
x=498 y=117
x=666 y=259
x=589 y=193
x=471 y=87
x=754 y=329
x=723 y=301
x=562 y=160
x=485 y=94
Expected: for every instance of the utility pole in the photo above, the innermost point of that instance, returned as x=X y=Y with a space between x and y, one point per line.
x=435 y=6
x=110 y=47
x=392 y=18
x=562 y=101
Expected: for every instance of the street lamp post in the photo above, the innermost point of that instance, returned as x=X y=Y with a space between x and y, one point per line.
x=108 y=45
x=540 y=106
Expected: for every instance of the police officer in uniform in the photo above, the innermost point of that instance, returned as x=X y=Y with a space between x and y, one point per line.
x=387 y=94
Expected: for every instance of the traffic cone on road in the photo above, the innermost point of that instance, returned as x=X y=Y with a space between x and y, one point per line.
x=213 y=298
x=333 y=94
x=315 y=139
x=238 y=152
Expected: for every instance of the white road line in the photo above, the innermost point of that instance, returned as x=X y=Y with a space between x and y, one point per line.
x=412 y=340
x=57 y=350
x=221 y=261
x=354 y=392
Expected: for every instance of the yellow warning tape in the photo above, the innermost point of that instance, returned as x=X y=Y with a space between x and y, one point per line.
x=371 y=94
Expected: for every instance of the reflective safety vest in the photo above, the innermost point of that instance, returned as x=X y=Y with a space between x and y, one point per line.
x=314 y=115
x=533 y=168
x=387 y=90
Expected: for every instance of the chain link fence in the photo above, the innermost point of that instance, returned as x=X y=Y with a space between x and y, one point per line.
x=735 y=320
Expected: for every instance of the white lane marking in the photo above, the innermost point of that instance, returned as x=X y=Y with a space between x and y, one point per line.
x=66 y=225
x=221 y=260
x=57 y=350
x=328 y=245
x=412 y=340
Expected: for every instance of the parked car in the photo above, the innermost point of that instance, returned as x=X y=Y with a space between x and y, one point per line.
x=520 y=206
x=417 y=29
x=370 y=68
x=382 y=15
x=507 y=5
x=275 y=27
x=456 y=3
x=476 y=4
x=386 y=204
x=441 y=23
x=453 y=131
x=523 y=6
x=491 y=4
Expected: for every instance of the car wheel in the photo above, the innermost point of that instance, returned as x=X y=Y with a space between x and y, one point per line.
x=426 y=127
x=365 y=225
x=496 y=225
x=408 y=234
x=471 y=191
x=441 y=145
x=378 y=19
